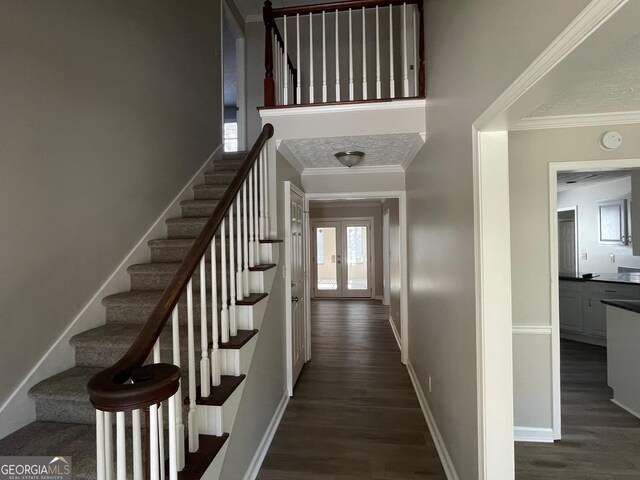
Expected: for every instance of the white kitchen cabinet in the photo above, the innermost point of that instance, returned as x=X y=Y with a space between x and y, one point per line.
x=594 y=311
x=571 y=306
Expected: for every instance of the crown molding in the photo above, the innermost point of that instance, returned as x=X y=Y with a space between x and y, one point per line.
x=581 y=120
x=290 y=157
x=377 y=169
x=415 y=148
x=346 y=107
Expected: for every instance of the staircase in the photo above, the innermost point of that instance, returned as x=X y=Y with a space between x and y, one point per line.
x=65 y=419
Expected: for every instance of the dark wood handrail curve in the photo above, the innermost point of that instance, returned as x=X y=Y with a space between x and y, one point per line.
x=110 y=389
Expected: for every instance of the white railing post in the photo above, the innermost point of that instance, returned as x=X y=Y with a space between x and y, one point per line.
x=173 y=450
x=136 y=427
x=286 y=64
x=108 y=446
x=154 y=456
x=298 y=82
x=251 y=237
x=350 y=58
x=311 y=93
x=324 y=59
x=364 y=55
x=392 y=82
x=245 y=241
x=224 y=313
x=239 y=281
x=256 y=227
x=100 y=445
x=233 y=329
x=265 y=162
x=337 y=58
x=378 y=82
x=415 y=51
x=215 y=333
x=263 y=196
x=175 y=334
x=159 y=417
x=205 y=388
x=405 y=60
x=192 y=416
x=121 y=447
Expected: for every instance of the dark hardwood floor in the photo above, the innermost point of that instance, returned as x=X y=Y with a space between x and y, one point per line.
x=354 y=414
x=600 y=441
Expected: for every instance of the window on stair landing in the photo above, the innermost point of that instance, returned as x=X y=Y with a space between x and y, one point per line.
x=230 y=136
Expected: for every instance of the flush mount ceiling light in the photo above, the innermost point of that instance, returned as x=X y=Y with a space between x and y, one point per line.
x=350 y=157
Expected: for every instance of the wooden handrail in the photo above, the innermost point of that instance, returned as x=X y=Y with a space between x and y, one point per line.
x=271 y=28
x=154 y=383
x=340 y=6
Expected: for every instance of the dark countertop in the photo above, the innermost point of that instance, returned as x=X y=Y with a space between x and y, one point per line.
x=631 y=305
x=625 y=278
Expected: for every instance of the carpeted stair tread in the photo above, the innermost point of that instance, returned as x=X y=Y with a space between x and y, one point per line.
x=209 y=192
x=189 y=227
x=198 y=208
x=68 y=385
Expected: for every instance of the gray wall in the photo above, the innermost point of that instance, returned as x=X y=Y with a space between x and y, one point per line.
x=392 y=206
x=318 y=211
x=266 y=382
x=108 y=109
x=474 y=50
x=530 y=153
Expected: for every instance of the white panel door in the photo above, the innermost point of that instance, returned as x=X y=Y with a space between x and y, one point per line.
x=298 y=307
x=327 y=259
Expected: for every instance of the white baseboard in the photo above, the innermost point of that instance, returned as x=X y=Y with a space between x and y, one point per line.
x=265 y=443
x=377 y=297
x=19 y=408
x=533 y=434
x=445 y=459
x=395 y=332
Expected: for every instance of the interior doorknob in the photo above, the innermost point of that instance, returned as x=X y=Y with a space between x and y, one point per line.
x=295 y=299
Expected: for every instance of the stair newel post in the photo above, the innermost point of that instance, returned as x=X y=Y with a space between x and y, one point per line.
x=269 y=85
x=224 y=313
x=245 y=241
x=256 y=242
x=265 y=173
x=179 y=426
x=192 y=416
x=136 y=428
x=215 y=334
x=121 y=447
x=233 y=329
x=100 y=445
x=422 y=85
x=239 y=285
x=252 y=248
x=262 y=195
x=205 y=374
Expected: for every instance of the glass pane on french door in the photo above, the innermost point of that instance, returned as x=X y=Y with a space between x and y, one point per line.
x=357 y=255
x=327 y=259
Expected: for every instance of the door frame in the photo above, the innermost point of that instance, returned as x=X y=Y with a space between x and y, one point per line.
x=371 y=270
x=573 y=209
x=324 y=223
x=288 y=188
x=241 y=87
x=404 y=276
x=386 y=258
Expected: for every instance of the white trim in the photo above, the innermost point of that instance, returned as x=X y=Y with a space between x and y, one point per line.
x=445 y=459
x=254 y=18
x=587 y=22
x=267 y=438
x=376 y=297
x=624 y=407
x=495 y=385
x=580 y=120
x=533 y=434
x=395 y=332
x=532 y=330
x=351 y=204
x=347 y=107
x=18 y=410
x=308 y=172
x=576 y=240
x=289 y=156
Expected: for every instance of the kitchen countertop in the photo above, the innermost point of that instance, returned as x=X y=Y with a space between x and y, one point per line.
x=626 y=278
x=631 y=305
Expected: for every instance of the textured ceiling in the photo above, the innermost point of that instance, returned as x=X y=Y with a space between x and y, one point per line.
x=569 y=180
x=380 y=150
x=611 y=86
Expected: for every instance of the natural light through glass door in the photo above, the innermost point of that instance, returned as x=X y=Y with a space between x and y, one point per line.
x=327 y=258
x=357 y=265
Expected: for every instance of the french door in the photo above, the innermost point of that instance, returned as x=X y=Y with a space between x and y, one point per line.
x=342 y=258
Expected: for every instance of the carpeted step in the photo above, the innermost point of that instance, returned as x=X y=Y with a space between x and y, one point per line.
x=185 y=227
x=209 y=192
x=198 y=208
x=156 y=276
x=212 y=177
x=170 y=250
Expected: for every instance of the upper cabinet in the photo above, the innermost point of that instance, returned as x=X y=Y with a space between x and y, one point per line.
x=613 y=223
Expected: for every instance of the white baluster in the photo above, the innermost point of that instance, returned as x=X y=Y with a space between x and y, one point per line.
x=256 y=240
x=251 y=238
x=224 y=313
x=266 y=193
x=192 y=416
x=311 y=93
x=156 y=359
x=298 y=83
x=286 y=65
x=405 y=59
x=215 y=335
x=173 y=450
x=100 y=445
x=392 y=83
x=245 y=243
x=175 y=336
x=337 y=58
x=364 y=56
x=350 y=58
x=205 y=388
x=154 y=457
x=415 y=51
x=324 y=59
x=239 y=284
x=263 y=195
x=136 y=427
x=233 y=328
x=121 y=447
x=378 y=82
x=108 y=446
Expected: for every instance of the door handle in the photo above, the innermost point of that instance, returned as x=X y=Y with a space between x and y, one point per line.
x=339 y=261
x=295 y=299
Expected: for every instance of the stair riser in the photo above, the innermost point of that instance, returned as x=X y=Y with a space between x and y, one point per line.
x=159 y=281
x=222 y=178
x=194 y=210
x=215 y=193
x=107 y=356
x=178 y=230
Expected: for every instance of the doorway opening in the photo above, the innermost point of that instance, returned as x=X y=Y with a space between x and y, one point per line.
x=233 y=85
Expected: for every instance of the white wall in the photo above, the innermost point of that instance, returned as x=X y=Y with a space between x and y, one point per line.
x=108 y=109
x=392 y=206
x=530 y=153
x=474 y=50
x=586 y=199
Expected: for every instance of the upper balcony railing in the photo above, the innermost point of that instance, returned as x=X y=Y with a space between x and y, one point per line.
x=345 y=51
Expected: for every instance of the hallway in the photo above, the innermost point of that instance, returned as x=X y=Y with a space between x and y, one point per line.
x=355 y=414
